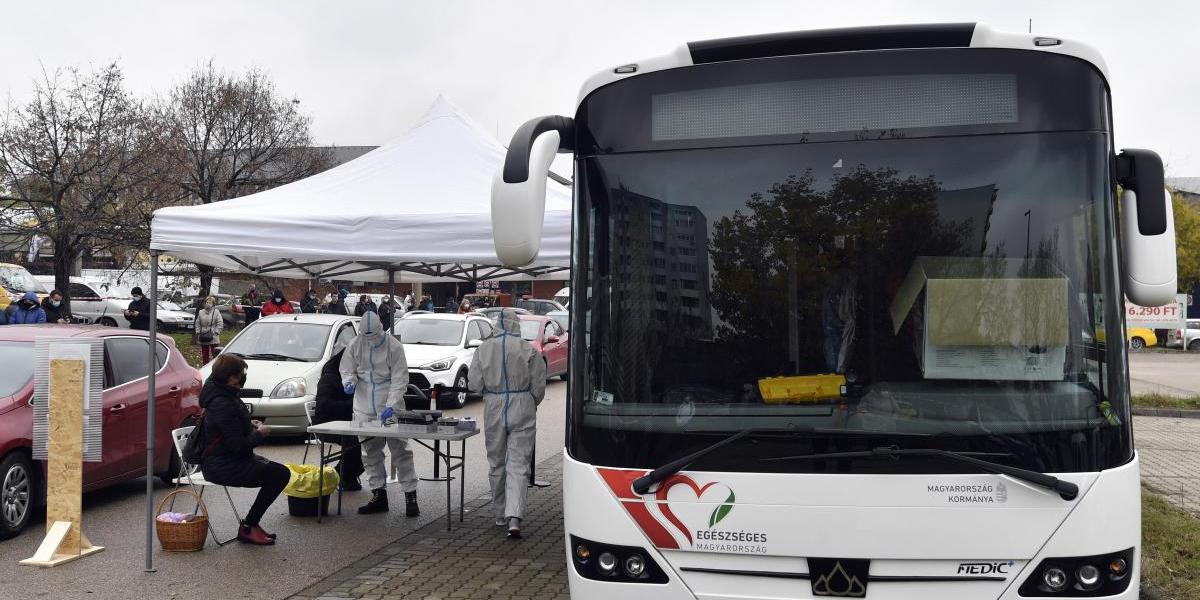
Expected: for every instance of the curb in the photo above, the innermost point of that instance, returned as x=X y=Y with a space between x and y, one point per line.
x=1176 y=413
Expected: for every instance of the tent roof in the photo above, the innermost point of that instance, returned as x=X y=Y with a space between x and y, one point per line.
x=420 y=205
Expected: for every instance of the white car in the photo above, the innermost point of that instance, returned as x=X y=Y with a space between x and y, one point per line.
x=285 y=354
x=563 y=297
x=439 y=348
x=1175 y=337
x=172 y=317
x=89 y=303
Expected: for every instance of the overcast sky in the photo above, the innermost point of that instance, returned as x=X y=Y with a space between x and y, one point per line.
x=365 y=70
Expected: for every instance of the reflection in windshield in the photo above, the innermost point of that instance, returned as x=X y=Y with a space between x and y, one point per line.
x=305 y=341
x=17 y=359
x=434 y=332
x=530 y=330
x=926 y=286
x=17 y=279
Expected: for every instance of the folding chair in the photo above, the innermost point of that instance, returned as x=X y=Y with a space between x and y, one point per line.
x=310 y=409
x=193 y=476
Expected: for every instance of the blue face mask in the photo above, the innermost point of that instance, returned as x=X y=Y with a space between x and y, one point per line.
x=56 y=303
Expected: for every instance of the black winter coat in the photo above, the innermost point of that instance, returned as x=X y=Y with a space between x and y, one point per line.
x=230 y=438
x=333 y=403
x=142 y=320
x=53 y=313
x=337 y=307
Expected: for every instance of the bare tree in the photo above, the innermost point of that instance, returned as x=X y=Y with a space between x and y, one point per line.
x=71 y=162
x=235 y=134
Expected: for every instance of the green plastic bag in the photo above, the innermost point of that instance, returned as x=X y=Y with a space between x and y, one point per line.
x=306 y=479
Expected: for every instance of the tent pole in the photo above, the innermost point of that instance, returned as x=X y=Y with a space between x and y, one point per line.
x=392 y=299
x=150 y=402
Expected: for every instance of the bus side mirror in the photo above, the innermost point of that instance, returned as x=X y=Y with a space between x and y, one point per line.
x=1148 y=228
x=519 y=189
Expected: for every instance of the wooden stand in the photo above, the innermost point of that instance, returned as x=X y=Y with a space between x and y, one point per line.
x=64 y=540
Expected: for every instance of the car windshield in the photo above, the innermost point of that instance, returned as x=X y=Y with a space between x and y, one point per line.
x=432 y=332
x=949 y=287
x=17 y=279
x=164 y=305
x=530 y=330
x=301 y=341
x=17 y=358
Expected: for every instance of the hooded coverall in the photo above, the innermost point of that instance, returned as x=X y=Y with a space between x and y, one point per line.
x=375 y=363
x=511 y=375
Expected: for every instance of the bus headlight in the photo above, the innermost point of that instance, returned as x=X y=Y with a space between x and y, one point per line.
x=1079 y=576
x=1055 y=579
x=635 y=565
x=1088 y=577
x=609 y=562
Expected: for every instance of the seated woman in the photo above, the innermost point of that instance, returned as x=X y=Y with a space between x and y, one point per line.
x=229 y=440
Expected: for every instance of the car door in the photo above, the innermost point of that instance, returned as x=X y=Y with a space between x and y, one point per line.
x=125 y=402
x=85 y=302
x=556 y=351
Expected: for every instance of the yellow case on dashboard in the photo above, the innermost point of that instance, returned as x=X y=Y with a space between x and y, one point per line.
x=801 y=388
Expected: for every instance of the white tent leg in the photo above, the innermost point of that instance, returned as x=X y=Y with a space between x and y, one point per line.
x=150 y=402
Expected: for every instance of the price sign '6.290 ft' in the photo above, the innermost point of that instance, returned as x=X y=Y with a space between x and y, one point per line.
x=1168 y=316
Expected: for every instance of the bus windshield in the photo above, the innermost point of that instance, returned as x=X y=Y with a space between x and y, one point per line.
x=931 y=291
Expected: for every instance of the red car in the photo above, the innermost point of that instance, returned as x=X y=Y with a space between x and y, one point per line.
x=125 y=378
x=550 y=339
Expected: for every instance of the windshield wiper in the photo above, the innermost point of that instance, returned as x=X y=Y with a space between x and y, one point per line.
x=272 y=356
x=642 y=484
x=1065 y=489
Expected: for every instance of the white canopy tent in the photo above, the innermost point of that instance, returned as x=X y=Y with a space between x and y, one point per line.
x=419 y=206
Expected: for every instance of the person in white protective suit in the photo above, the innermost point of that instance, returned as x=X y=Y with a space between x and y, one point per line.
x=511 y=376
x=375 y=370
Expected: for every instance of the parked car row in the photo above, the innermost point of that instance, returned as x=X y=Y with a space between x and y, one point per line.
x=87 y=302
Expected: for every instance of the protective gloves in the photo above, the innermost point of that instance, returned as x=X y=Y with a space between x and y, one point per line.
x=387 y=413
x=348 y=388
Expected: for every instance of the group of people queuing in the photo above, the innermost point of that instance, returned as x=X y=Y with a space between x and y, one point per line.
x=366 y=381
x=28 y=310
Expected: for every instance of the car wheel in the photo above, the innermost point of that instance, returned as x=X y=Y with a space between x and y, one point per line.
x=565 y=374
x=16 y=494
x=1194 y=346
x=107 y=322
x=174 y=466
x=161 y=326
x=1137 y=343
x=460 y=399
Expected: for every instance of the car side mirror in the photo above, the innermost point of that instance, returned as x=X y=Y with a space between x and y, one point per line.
x=475 y=343
x=552 y=339
x=1148 y=225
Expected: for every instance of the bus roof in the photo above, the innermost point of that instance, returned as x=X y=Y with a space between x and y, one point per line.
x=850 y=39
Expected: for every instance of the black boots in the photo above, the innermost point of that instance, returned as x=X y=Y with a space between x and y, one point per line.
x=378 y=503
x=410 y=504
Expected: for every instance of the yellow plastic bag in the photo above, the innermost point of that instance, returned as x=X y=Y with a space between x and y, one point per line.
x=306 y=479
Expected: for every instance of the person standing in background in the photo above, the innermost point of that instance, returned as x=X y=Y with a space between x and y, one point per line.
x=387 y=312
x=252 y=304
x=52 y=305
x=277 y=305
x=209 y=324
x=364 y=306
x=138 y=312
x=27 y=311
x=337 y=306
x=309 y=303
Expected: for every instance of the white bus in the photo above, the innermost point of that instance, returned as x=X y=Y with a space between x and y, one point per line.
x=839 y=309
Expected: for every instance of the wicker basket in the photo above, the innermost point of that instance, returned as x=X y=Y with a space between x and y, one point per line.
x=182 y=537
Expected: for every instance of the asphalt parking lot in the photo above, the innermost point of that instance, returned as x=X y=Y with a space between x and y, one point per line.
x=306 y=552
x=1169 y=372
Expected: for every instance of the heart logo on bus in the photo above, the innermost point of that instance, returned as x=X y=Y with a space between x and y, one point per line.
x=720 y=493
